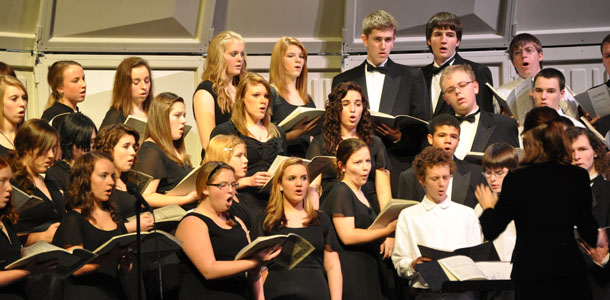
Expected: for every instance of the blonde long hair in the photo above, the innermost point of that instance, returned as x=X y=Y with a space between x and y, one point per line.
x=276 y=219
x=238 y=117
x=216 y=68
x=221 y=148
x=158 y=128
x=277 y=70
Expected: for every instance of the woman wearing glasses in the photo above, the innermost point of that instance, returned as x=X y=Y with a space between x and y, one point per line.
x=212 y=237
x=232 y=151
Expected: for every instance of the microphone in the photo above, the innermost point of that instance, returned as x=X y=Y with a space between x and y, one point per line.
x=132 y=189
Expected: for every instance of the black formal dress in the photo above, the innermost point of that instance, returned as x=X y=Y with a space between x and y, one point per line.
x=482 y=76
x=307 y=280
x=360 y=264
x=4 y=152
x=101 y=284
x=10 y=251
x=40 y=217
x=59 y=174
x=112 y=117
x=154 y=162
x=281 y=109
x=56 y=109
x=603 y=125
x=260 y=157
x=546 y=201
x=599 y=277
x=241 y=211
x=404 y=92
x=226 y=243
x=219 y=116
x=379 y=160
x=465 y=179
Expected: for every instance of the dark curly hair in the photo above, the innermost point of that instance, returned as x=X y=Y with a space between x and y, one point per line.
x=430 y=157
x=79 y=194
x=8 y=212
x=332 y=117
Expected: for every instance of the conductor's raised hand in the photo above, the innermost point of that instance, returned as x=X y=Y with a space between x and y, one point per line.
x=486 y=197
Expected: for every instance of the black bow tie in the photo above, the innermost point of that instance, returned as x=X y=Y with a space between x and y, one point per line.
x=381 y=69
x=436 y=70
x=469 y=118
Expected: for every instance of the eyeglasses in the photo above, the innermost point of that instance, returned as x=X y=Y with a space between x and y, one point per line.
x=223 y=185
x=459 y=86
x=498 y=173
x=527 y=50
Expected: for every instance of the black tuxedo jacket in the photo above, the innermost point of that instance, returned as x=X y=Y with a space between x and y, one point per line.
x=601 y=201
x=495 y=128
x=467 y=176
x=603 y=125
x=482 y=74
x=546 y=201
x=404 y=89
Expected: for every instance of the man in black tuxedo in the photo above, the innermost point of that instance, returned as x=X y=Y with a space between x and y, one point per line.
x=443 y=35
x=478 y=129
x=390 y=88
x=445 y=134
x=603 y=124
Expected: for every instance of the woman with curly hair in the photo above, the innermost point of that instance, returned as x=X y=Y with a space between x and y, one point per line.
x=35 y=149
x=289 y=211
x=91 y=221
x=214 y=97
x=288 y=79
x=14 y=102
x=251 y=122
x=347 y=116
x=120 y=142
x=132 y=92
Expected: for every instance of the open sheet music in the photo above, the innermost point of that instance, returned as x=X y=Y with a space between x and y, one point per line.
x=68 y=261
x=294 y=248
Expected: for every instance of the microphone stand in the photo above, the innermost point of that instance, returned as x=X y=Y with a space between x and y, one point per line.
x=139 y=248
x=132 y=189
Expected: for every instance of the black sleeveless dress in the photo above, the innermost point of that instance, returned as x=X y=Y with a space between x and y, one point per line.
x=102 y=283
x=307 y=280
x=226 y=243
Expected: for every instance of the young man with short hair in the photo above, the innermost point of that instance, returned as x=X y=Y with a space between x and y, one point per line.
x=445 y=134
x=444 y=35
x=436 y=222
x=391 y=88
x=478 y=128
x=549 y=89
x=526 y=55
x=603 y=125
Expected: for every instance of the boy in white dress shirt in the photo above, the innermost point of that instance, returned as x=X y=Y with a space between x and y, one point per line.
x=436 y=222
